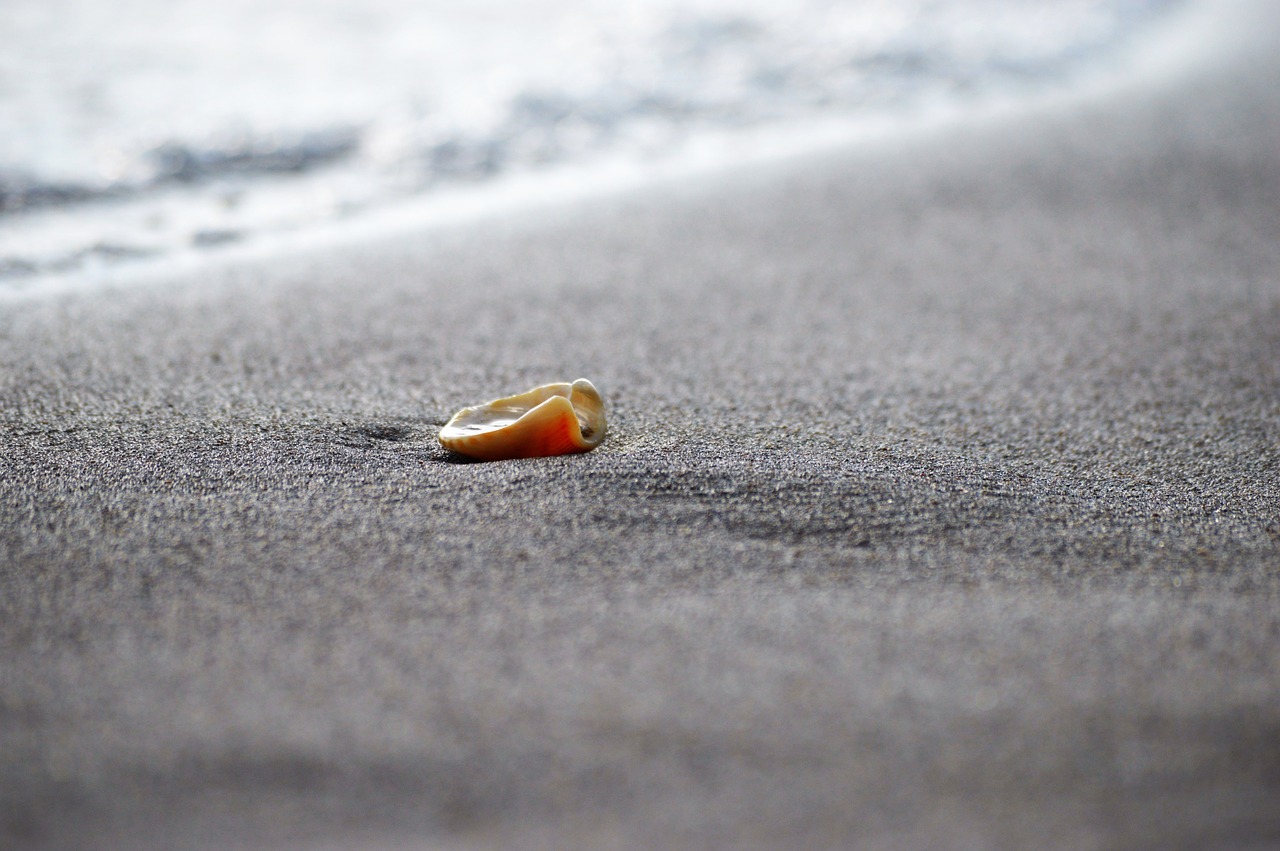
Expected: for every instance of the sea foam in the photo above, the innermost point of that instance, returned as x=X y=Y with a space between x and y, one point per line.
x=146 y=128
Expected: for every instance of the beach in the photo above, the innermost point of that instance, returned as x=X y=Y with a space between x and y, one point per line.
x=939 y=507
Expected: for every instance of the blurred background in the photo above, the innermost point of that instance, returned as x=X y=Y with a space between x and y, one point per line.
x=134 y=129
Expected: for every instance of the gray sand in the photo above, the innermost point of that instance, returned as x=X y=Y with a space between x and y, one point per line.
x=939 y=509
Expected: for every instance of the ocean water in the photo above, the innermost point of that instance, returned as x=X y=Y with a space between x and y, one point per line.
x=134 y=129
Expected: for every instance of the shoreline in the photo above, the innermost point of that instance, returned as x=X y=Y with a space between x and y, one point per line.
x=1175 y=47
x=938 y=508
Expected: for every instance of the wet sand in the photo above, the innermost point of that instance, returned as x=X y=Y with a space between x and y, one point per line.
x=940 y=508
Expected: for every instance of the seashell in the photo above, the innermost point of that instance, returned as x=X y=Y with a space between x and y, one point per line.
x=554 y=419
